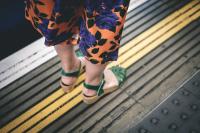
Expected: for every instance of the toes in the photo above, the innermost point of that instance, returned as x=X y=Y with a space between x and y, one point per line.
x=119 y=72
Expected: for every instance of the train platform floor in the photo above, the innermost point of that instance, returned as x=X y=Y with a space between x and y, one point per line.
x=160 y=49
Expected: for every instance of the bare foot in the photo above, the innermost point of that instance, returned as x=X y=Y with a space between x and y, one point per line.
x=110 y=79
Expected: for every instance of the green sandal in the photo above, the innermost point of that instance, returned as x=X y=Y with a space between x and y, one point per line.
x=119 y=73
x=76 y=73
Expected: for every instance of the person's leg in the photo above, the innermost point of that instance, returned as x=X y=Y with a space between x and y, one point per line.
x=93 y=76
x=94 y=73
x=58 y=29
x=69 y=61
x=102 y=35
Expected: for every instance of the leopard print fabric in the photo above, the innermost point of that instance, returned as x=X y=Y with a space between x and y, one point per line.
x=95 y=25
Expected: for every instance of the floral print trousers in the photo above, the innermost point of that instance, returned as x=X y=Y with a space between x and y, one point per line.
x=95 y=25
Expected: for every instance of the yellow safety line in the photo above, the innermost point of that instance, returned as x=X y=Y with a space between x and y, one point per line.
x=155 y=36
x=56 y=106
x=40 y=106
x=59 y=113
x=67 y=97
x=156 y=43
x=157 y=26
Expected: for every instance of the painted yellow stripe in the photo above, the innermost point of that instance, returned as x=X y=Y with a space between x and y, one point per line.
x=134 y=50
x=156 y=43
x=159 y=25
x=58 y=105
x=56 y=114
x=40 y=106
x=59 y=113
x=59 y=93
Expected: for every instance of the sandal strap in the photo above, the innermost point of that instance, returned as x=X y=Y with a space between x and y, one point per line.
x=98 y=88
x=72 y=74
x=79 y=53
x=76 y=72
x=120 y=73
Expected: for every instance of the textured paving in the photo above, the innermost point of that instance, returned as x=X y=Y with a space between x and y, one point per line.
x=179 y=113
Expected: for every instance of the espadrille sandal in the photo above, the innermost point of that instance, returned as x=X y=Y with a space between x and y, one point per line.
x=76 y=73
x=119 y=74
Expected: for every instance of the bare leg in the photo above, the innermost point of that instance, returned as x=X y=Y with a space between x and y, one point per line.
x=69 y=61
x=94 y=73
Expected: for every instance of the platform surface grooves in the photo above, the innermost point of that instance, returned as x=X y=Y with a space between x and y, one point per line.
x=161 y=41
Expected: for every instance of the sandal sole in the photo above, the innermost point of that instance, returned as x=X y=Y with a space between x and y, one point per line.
x=66 y=90
x=93 y=99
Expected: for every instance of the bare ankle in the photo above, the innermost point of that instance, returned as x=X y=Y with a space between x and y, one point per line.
x=94 y=81
x=74 y=64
